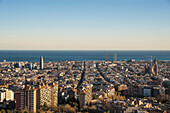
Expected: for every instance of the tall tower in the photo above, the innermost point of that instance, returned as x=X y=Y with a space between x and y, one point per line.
x=155 y=63
x=41 y=63
x=106 y=57
x=151 y=60
x=115 y=57
x=154 y=60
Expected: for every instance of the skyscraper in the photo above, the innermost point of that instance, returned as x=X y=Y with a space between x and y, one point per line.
x=115 y=57
x=151 y=60
x=155 y=64
x=41 y=63
x=106 y=57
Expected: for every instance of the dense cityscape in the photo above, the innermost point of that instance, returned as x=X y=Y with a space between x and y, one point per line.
x=85 y=86
x=84 y=56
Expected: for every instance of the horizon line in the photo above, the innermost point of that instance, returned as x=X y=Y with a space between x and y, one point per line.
x=74 y=50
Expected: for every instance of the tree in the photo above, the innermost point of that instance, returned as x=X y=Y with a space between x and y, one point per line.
x=85 y=108
x=94 y=96
x=92 y=108
x=69 y=109
x=8 y=111
x=53 y=108
x=60 y=109
x=39 y=111
x=3 y=111
x=163 y=98
x=11 y=105
x=26 y=111
x=66 y=109
x=19 y=110
x=45 y=107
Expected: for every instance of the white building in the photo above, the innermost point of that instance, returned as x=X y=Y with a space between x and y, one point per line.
x=6 y=94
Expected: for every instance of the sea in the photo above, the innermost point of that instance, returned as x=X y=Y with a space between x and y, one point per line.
x=77 y=55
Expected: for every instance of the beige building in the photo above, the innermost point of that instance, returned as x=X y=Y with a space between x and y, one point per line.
x=2 y=96
x=85 y=97
x=47 y=94
x=6 y=94
x=9 y=95
x=33 y=98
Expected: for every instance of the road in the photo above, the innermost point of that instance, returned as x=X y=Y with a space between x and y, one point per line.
x=107 y=79
x=82 y=76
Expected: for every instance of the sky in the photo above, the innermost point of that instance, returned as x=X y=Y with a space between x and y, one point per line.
x=84 y=24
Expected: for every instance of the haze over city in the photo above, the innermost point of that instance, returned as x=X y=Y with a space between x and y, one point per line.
x=84 y=24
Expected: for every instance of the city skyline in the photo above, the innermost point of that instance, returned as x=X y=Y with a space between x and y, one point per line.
x=85 y=25
x=85 y=56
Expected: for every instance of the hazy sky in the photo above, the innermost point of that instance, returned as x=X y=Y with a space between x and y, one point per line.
x=85 y=24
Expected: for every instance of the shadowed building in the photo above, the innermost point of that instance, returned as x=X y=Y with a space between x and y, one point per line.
x=26 y=99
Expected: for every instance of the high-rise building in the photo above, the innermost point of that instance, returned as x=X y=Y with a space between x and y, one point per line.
x=26 y=99
x=31 y=98
x=18 y=99
x=43 y=95
x=47 y=94
x=106 y=57
x=9 y=95
x=85 y=97
x=154 y=60
x=115 y=57
x=54 y=94
x=41 y=63
x=156 y=70
x=6 y=94
x=151 y=61
x=2 y=96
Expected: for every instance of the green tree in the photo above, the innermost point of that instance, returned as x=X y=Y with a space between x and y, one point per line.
x=39 y=111
x=85 y=108
x=11 y=105
x=3 y=111
x=45 y=107
x=18 y=110
x=53 y=108
x=69 y=109
x=163 y=98
x=60 y=109
x=8 y=111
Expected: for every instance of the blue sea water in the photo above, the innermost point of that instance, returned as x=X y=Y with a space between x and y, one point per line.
x=61 y=55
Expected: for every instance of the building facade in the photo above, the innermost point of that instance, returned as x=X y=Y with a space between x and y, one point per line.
x=32 y=99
